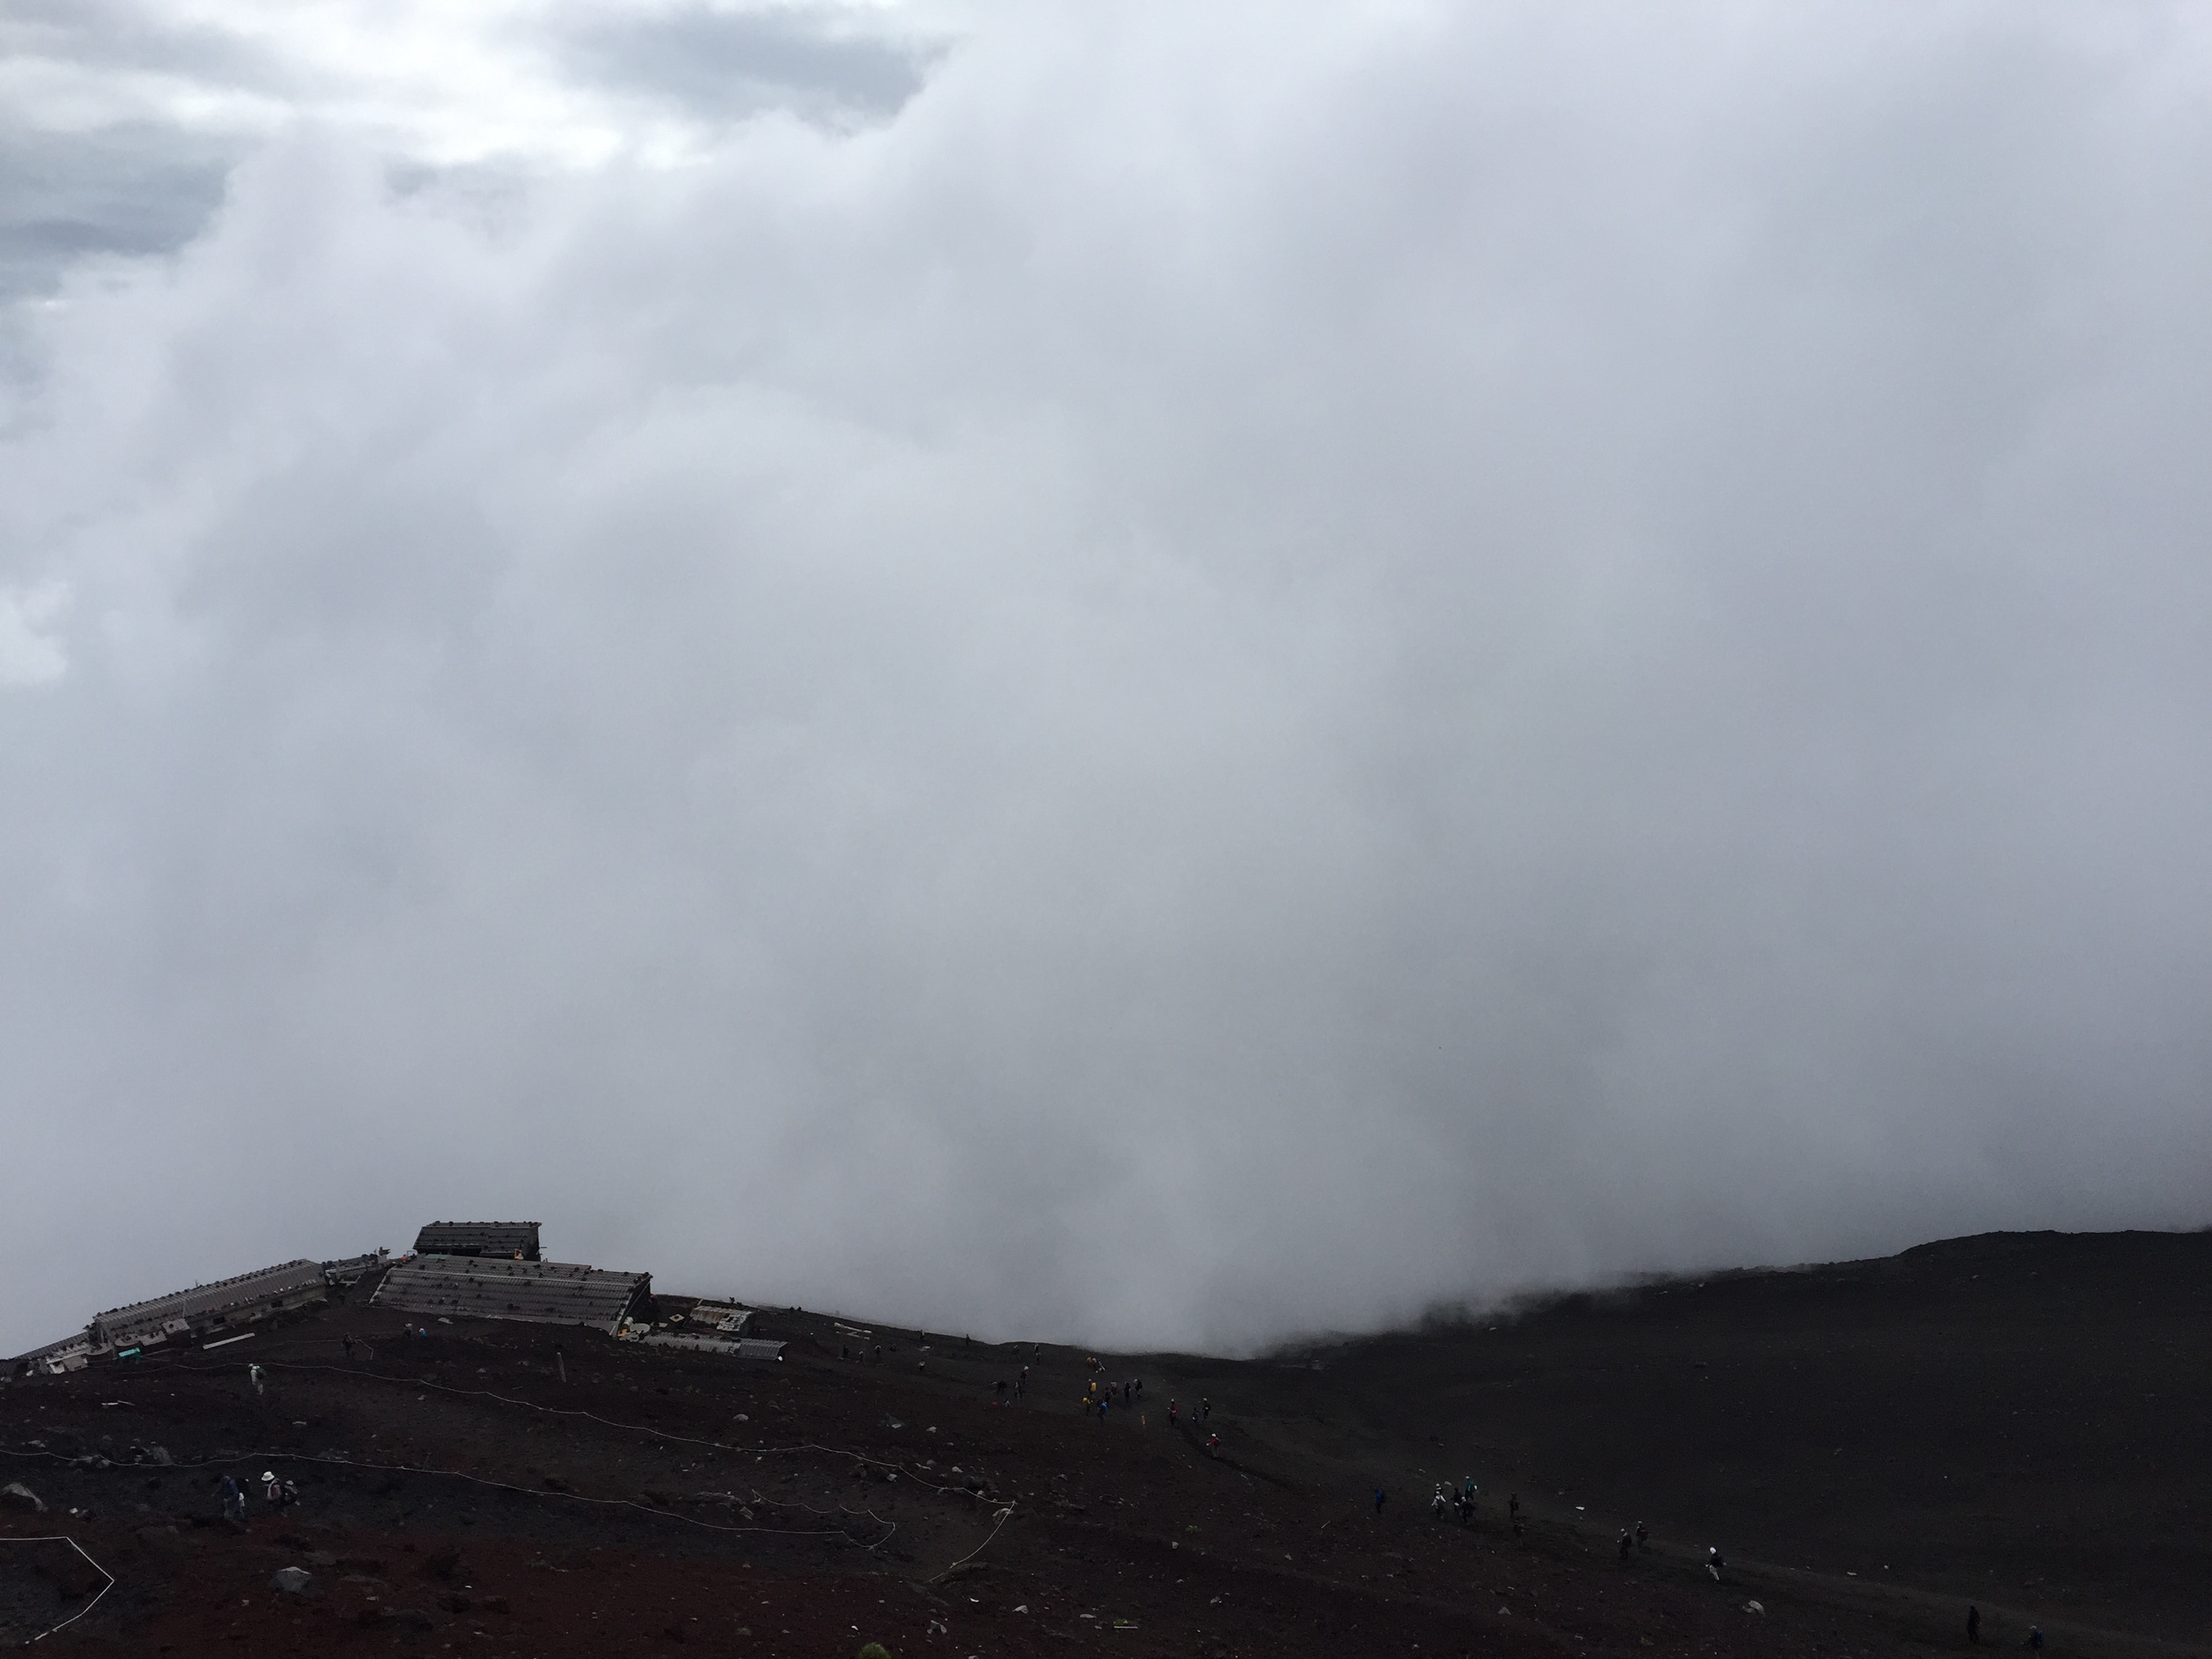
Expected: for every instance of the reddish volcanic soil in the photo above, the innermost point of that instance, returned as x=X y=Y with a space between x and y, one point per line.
x=2020 y=1421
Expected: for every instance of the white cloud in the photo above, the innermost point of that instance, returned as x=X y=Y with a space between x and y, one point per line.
x=1222 y=672
x=29 y=654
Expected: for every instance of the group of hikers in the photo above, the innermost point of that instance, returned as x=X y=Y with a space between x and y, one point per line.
x=1098 y=1399
x=278 y=1493
x=1636 y=1540
x=1460 y=1500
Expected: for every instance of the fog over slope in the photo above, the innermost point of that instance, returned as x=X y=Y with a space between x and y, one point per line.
x=1161 y=674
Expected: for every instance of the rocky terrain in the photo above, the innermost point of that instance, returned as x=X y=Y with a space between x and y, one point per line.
x=2018 y=1422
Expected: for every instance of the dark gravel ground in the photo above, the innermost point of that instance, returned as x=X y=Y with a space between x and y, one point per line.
x=2022 y=1422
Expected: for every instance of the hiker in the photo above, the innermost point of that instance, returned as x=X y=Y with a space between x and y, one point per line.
x=291 y=1495
x=1437 y=1502
x=1174 y=1413
x=1379 y=1495
x=253 y=1376
x=1643 y=1536
x=2034 y=1639
x=1974 y=1626
x=1513 y=1508
x=233 y=1500
x=272 y=1489
x=1141 y=1388
x=348 y=1342
x=1714 y=1561
x=1205 y=1410
x=1627 y=1543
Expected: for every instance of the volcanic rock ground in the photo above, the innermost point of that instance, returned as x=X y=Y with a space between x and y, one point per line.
x=2022 y=1421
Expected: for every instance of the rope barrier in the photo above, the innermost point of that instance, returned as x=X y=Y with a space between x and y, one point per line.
x=64 y=1538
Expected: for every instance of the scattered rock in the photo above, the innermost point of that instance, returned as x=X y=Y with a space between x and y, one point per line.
x=17 y=1495
x=292 y=1581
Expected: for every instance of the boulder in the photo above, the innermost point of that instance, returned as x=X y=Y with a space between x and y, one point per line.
x=292 y=1581
x=17 y=1495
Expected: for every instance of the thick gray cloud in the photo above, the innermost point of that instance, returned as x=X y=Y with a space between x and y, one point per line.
x=723 y=64
x=65 y=196
x=1229 y=673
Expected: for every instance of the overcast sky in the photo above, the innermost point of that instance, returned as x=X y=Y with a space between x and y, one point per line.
x=1160 y=674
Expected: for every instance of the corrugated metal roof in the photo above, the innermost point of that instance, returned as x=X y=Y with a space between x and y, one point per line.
x=286 y=1279
x=493 y=1287
x=478 y=1238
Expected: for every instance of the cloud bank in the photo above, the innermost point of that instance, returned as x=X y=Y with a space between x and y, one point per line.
x=1161 y=676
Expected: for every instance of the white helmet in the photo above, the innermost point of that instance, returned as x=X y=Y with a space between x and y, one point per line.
x=268 y=1474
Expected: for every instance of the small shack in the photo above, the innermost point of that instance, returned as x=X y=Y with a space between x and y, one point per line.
x=354 y=1268
x=69 y=1354
x=514 y=1240
x=726 y=1318
x=496 y=1287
